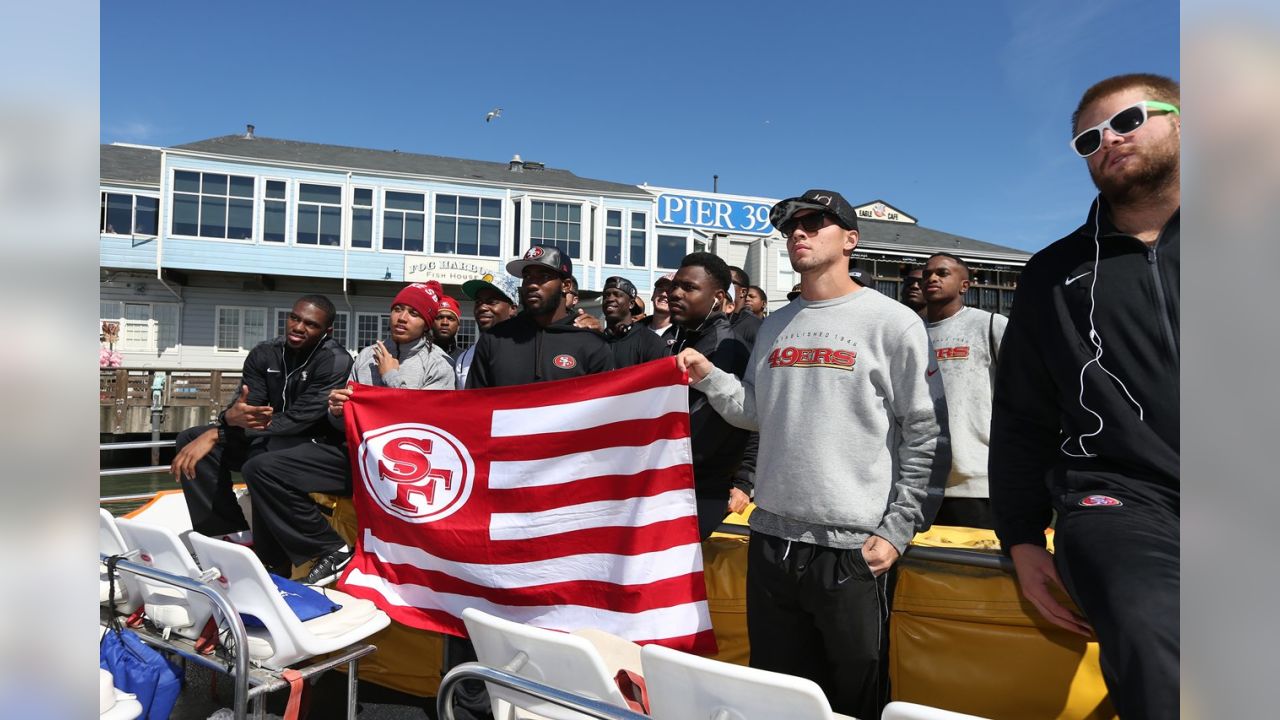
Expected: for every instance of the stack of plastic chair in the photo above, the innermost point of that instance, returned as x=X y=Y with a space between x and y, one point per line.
x=170 y=608
x=561 y=660
x=284 y=639
x=114 y=704
x=688 y=687
x=110 y=542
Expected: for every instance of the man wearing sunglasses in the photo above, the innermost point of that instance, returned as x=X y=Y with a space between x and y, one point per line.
x=1086 y=409
x=846 y=396
x=913 y=290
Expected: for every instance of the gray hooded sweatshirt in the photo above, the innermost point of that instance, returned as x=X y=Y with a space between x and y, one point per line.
x=849 y=405
x=423 y=366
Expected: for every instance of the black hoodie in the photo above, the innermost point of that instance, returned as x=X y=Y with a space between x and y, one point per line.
x=296 y=385
x=723 y=455
x=1054 y=442
x=518 y=351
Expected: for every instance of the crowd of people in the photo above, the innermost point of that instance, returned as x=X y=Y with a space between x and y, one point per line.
x=853 y=420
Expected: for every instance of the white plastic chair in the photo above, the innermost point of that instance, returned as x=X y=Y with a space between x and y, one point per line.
x=911 y=711
x=561 y=660
x=687 y=687
x=128 y=594
x=114 y=704
x=285 y=640
x=168 y=607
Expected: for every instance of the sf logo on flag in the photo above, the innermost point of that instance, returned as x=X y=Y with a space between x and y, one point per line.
x=415 y=472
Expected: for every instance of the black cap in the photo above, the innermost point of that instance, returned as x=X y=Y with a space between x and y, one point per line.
x=795 y=292
x=860 y=277
x=544 y=255
x=828 y=201
x=621 y=283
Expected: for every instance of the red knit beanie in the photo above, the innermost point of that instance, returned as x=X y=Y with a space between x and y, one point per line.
x=448 y=304
x=424 y=297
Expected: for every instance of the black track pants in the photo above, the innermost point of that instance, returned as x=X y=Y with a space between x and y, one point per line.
x=279 y=485
x=818 y=613
x=210 y=500
x=1121 y=566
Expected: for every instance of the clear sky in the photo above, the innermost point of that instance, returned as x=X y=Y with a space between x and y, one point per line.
x=956 y=112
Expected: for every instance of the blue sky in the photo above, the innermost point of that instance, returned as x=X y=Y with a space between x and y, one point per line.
x=954 y=112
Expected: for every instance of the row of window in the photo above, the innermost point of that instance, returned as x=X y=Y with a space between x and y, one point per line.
x=221 y=206
x=153 y=327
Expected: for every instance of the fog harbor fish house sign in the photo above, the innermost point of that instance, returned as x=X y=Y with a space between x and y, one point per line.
x=447 y=270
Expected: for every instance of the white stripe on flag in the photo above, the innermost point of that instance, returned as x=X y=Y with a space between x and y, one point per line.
x=653 y=624
x=596 y=567
x=631 y=512
x=660 y=454
x=642 y=405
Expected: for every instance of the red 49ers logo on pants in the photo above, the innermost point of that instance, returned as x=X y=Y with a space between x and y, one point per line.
x=418 y=473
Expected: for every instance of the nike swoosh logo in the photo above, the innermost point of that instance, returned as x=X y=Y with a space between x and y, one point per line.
x=272 y=370
x=844 y=580
x=931 y=373
x=1071 y=280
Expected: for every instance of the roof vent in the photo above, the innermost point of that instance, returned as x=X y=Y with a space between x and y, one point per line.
x=531 y=165
x=516 y=164
x=248 y=132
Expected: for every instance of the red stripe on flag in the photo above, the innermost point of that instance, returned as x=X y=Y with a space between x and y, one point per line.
x=595 y=489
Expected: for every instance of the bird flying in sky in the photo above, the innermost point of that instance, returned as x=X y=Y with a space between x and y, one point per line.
x=493 y=114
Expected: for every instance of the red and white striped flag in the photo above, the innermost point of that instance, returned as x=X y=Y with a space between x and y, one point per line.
x=563 y=505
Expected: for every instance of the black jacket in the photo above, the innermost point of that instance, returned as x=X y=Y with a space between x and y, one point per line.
x=296 y=386
x=723 y=455
x=747 y=326
x=1048 y=448
x=518 y=351
x=635 y=344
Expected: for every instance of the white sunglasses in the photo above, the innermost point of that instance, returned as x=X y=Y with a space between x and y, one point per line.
x=1124 y=122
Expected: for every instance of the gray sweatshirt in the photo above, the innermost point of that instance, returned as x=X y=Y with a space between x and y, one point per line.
x=851 y=426
x=964 y=347
x=423 y=366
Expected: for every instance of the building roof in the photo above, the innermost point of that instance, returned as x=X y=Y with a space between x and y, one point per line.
x=129 y=164
x=913 y=237
x=339 y=156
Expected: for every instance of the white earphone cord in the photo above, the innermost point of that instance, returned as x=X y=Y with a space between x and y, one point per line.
x=1096 y=339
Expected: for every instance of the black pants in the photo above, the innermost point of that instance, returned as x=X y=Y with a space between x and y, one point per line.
x=279 y=485
x=966 y=512
x=210 y=500
x=818 y=613
x=1121 y=566
x=470 y=697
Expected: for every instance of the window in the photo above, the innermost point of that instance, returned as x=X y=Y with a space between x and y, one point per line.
x=403 y=221
x=468 y=225
x=468 y=332
x=212 y=205
x=239 y=328
x=671 y=250
x=340 y=324
x=639 y=238
x=274 y=204
x=786 y=276
x=144 y=327
x=556 y=224
x=370 y=328
x=125 y=214
x=319 y=215
x=613 y=237
x=362 y=218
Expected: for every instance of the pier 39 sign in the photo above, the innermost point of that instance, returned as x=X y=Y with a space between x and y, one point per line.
x=714 y=214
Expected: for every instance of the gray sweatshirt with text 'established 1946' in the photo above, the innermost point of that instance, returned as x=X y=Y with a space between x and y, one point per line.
x=847 y=399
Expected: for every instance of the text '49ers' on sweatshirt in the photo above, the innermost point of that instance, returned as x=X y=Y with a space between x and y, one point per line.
x=849 y=405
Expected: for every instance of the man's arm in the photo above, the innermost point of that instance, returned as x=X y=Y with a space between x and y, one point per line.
x=924 y=445
x=1025 y=430
x=734 y=399
x=332 y=368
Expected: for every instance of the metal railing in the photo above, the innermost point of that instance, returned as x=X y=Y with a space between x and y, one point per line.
x=589 y=707
x=240 y=661
x=154 y=445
